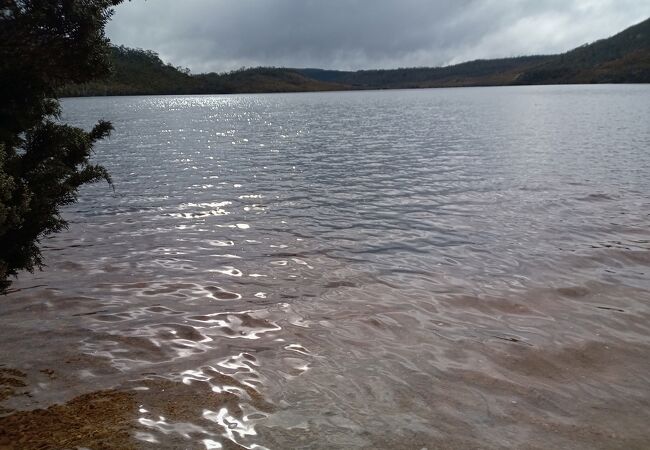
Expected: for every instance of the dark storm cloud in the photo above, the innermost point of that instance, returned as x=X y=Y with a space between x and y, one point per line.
x=218 y=35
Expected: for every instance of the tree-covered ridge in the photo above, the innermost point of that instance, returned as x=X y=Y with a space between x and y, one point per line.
x=472 y=73
x=136 y=71
x=142 y=72
x=623 y=58
x=261 y=79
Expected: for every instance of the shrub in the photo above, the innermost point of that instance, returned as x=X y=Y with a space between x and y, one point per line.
x=44 y=45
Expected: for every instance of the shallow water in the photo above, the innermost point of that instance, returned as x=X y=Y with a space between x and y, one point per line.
x=452 y=268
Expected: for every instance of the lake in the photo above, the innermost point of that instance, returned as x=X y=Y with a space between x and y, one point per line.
x=456 y=268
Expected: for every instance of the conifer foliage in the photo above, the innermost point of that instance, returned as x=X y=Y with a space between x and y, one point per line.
x=44 y=45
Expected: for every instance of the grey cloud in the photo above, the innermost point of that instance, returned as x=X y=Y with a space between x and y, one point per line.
x=218 y=35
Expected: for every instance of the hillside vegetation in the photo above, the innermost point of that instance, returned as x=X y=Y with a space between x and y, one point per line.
x=473 y=73
x=142 y=72
x=623 y=58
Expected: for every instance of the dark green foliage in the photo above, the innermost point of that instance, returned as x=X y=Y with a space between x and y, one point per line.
x=44 y=45
x=136 y=72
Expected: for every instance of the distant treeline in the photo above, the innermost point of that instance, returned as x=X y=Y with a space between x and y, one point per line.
x=142 y=72
x=473 y=73
x=623 y=58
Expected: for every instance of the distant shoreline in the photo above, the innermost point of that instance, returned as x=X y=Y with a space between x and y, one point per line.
x=358 y=90
x=620 y=59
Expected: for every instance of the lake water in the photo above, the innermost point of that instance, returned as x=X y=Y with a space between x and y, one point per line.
x=452 y=268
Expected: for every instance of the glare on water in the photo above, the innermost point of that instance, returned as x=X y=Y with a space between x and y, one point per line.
x=458 y=267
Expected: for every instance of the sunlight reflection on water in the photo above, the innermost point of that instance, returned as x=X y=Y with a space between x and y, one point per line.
x=466 y=267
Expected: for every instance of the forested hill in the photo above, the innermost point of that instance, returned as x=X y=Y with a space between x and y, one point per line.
x=142 y=72
x=623 y=58
x=488 y=72
x=137 y=71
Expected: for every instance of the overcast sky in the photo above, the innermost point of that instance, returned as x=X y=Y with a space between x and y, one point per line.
x=220 y=35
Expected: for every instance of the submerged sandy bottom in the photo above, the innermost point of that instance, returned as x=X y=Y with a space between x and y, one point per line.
x=360 y=376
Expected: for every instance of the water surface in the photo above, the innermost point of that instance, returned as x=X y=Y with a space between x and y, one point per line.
x=455 y=268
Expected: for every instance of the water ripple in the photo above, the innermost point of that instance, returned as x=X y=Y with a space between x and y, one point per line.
x=463 y=268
